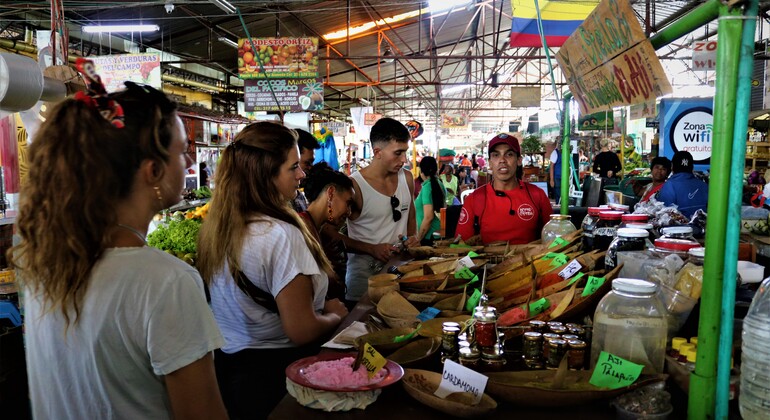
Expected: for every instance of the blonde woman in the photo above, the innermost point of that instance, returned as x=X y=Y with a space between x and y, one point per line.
x=266 y=271
x=114 y=329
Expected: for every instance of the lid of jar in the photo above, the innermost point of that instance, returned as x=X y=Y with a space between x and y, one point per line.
x=594 y=211
x=699 y=252
x=635 y=218
x=677 y=342
x=645 y=226
x=632 y=233
x=677 y=230
x=634 y=286
x=560 y=217
x=681 y=245
x=610 y=215
x=619 y=207
x=557 y=342
x=577 y=344
x=691 y=355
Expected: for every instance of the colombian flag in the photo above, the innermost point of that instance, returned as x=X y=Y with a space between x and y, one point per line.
x=560 y=19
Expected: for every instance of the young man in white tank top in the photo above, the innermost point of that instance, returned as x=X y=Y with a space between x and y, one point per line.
x=383 y=211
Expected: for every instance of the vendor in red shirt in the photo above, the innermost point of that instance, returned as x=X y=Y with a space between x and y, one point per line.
x=505 y=209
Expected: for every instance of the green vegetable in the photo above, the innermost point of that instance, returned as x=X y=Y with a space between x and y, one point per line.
x=202 y=192
x=179 y=236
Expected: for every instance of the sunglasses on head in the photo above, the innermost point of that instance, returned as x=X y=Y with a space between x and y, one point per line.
x=394 y=203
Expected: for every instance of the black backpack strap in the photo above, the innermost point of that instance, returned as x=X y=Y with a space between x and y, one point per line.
x=479 y=205
x=259 y=296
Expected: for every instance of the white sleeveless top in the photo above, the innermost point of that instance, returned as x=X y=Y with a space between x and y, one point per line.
x=374 y=225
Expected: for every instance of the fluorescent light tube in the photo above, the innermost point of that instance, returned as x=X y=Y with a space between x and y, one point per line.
x=228 y=41
x=120 y=28
x=225 y=5
x=455 y=89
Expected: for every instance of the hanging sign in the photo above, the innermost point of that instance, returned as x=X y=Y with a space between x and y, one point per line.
x=139 y=68
x=608 y=61
x=294 y=95
x=688 y=125
x=279 y=58
x=704 y=55
x=454 y=120
x=522 y=97
x=603 y=120
x=371 y=118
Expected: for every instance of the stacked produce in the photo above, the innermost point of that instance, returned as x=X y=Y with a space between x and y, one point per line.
x=179 y=235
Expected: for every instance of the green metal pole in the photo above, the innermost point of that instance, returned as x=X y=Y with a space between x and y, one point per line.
x=566 y=157
x=703 y=379
x=733 y=232
x=691 y=21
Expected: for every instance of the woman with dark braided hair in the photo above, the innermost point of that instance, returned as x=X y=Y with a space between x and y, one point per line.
x=114 y=329
x=430 y=201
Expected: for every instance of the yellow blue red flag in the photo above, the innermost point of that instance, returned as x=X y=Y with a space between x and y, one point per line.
x=560 y=19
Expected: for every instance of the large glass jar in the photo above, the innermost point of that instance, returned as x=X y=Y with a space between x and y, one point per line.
x=606 y=229
x=630 y=322
x=678 y=232
x=668 y=246
x=588 y=225
x=559 y=226
x=628 y=239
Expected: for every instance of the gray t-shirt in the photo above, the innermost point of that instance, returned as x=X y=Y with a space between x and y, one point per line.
x=144 y=315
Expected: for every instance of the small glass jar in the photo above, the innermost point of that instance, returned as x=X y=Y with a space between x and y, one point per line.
x=678 y=232
x=557 y=348
x=546 y=338
x=558 y=226
x=470 y=357
x=578 y=331
x=556 y=327
x=588 y=225
x=651 y=232
x=569 y=337
x=606 y=229
x=538 y=326
x=630 y=322
x=676 y=343
x=576 y=355
x=493 y=360
x=628 y=239
x=485 y=327
x=449 y=345
x=533 y=345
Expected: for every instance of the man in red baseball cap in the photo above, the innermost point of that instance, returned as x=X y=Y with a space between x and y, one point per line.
x=506 y=208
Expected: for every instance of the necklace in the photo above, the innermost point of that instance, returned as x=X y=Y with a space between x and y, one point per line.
x=135 y=232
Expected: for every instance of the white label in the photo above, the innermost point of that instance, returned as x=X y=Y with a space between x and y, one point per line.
x=570 y=270
x=465 y=261
x=458 y=378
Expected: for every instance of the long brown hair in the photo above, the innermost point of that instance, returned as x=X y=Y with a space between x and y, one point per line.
x=80 y=167
x=244 y=189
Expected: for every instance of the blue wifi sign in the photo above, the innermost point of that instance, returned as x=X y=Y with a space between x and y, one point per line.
x=687 y=124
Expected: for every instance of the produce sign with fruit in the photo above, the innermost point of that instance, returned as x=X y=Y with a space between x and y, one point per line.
x=280 y=57
x=139 y=68
x=293 y=95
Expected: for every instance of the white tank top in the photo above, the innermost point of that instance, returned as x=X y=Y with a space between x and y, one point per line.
x=375 y=224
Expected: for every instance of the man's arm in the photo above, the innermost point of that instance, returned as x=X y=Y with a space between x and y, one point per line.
x=380 y=251
x=411 y=223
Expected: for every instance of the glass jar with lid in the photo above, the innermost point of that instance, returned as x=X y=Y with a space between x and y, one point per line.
x=630 y=322
x=668 y=246
x=678 y=232
x=588 y=225
x=558 y=226
x=633 y=218
x=606 y=228
x=485 y=326
x=689 y=279
x=628 y=239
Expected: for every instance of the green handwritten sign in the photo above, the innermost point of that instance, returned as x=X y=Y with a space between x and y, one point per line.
x=614 y=372
x=557 y=258
x=464 y=273
x=592 y=285
x=538 y=306
x=473 y=300
x=372 y=360
x=559 y=241
x=550 y=256
x=576 y=278
x=473 y=254
x=474 y=279
x=459 y=246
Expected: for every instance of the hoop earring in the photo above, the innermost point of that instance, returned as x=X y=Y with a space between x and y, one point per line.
x=159 y=195
x=329 y=218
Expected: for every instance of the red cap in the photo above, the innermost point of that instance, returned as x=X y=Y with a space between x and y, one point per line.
x=675 y=244
x=610 y=215
x=635 y=218
x=512 y=140
x=594 y=211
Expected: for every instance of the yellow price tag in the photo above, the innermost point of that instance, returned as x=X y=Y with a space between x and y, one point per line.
x=372 y=360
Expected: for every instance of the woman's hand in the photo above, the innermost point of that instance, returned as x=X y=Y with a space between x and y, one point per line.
x=335 y=306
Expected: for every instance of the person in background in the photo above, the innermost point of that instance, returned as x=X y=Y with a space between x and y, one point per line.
x=450 y=182
x=481 y=161
x=607 y=163
x=383 y=214
x=554 y=172
x=683 y=188
x=505 y=209
x=464 y=182
x=203 y=174
x=307 y=147
x=265 y=270
x=475 y=172
x=429 y=202
x=113 y=328
x=465 y=163
x=660 y=169
x=331 y=197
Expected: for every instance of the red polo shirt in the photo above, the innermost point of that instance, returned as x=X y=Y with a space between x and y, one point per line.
x=530 y=206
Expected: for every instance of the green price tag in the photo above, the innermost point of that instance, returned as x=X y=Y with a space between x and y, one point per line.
x=558 y=242
x=593 y=284
x=614 y=372
x=464 y=273
x=538 y=306
x=550 y=256
x=473 y=300
x=473 y=254
x=559 y=259
x=459 y=246
x=474 y=279
x=576 y=278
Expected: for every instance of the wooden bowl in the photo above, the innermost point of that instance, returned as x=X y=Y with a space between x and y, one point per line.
x=416 y=351
x=421 y=384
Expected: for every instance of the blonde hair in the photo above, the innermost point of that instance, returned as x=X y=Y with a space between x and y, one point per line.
x=80 y=167
x=245 y=188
